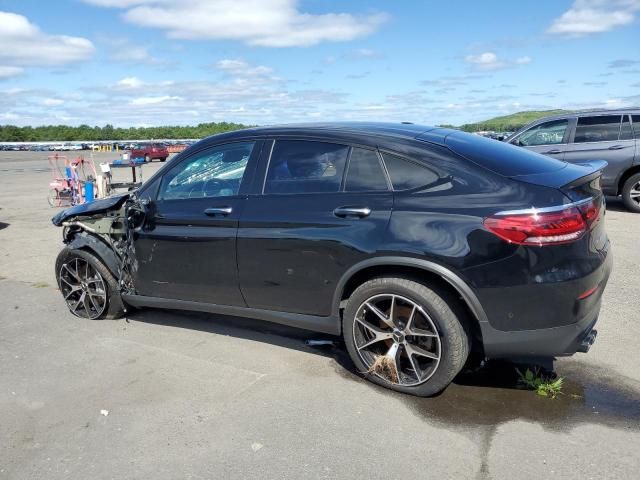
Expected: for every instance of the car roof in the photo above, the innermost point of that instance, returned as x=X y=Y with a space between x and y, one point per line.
x=582 y=113
x=378 y=129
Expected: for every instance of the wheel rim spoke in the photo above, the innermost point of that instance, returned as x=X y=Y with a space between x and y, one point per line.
x=387 y=320
x=394 y=332
x=83 y=288
x=415 y=350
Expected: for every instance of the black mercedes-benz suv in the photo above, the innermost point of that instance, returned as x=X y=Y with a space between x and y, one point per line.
x=418 y=245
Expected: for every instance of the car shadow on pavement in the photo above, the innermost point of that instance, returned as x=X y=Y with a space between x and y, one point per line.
x=615 y=205
x=483 y=397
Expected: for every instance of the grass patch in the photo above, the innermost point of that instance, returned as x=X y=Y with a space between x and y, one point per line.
x=41 y=284
x=543 y=385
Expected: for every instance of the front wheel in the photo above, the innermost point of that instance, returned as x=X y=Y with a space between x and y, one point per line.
x=87 y=286
x=406 y=336
x=631 y=193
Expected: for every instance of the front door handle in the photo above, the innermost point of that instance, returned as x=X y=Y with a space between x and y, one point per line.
x=359 y=212
x=553 y=152
x=213 y=211
x=616 y=147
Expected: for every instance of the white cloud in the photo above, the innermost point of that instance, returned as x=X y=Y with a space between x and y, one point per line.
x=129 y=82
x=52 y=102
x=154 y=100
x=266 y=23
x=489 y=61
x=485 y=61
x=122 y=50
x=594 y=16
x=242 y=68
x=23 y=43
x=6 y=72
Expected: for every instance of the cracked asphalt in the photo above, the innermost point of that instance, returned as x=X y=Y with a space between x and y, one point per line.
x=199 y=396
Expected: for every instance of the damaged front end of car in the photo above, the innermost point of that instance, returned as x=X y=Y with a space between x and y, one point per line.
x=106 y=228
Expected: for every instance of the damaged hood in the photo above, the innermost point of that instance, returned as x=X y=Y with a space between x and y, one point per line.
x=91 y=208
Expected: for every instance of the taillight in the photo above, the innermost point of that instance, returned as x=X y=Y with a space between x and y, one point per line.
x=545 y=226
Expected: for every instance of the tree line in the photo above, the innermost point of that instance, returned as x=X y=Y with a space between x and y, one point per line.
x=46 y=133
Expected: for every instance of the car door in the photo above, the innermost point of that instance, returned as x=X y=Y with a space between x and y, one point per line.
x=603 y=137
x=321 y=208
x=187 y=248
x=548 y=138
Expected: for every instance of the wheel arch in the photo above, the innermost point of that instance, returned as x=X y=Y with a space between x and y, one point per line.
x=625 y=176
x=91 y=243
x=423 y=270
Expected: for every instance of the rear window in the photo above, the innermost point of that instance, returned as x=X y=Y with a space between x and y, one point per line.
x=603 y=128
x=501 y=158
x=405 y=175
x=636 y=125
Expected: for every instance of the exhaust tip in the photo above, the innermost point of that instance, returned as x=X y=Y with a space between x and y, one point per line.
x=587 y=341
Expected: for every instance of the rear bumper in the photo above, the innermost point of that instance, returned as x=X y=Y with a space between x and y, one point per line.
x=556 y=341
x=546 y=342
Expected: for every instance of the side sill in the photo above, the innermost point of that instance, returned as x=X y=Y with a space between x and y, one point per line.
x=330 y=325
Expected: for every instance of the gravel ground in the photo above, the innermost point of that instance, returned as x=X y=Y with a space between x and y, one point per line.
x=203 y=396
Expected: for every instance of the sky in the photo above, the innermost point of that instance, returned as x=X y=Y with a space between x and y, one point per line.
x=259 y=62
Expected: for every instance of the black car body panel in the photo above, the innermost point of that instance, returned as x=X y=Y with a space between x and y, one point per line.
x=292 y=257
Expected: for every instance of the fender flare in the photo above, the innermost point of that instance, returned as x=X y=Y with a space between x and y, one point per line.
x=86 y=241
x=449 y=276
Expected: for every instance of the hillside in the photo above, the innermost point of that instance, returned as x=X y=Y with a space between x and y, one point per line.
x=509 y=123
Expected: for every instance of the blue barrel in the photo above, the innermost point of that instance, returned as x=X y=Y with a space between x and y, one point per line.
x=88 y=192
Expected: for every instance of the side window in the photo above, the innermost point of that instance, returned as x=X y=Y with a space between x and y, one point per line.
x=625 y=130
x=406 y=175
x=216 y=172
x=299 y=166
x=365 y=172
x=604 y=128
x=636 y=125
x=548 y=133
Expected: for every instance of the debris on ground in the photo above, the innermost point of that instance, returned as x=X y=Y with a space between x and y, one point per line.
x=319 y=343
x=385 y=367
x=104 y=412
x=256 y=446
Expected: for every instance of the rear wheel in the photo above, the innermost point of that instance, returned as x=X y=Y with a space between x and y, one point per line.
x=87 y=286
x=631 y=193
x=406 y=336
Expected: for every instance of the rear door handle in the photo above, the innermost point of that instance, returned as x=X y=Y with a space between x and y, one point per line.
x=359 y=212
x=616 y=147
x=213 y=211
x=553 y=152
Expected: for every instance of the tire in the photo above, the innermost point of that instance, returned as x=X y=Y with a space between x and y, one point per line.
x=631 y=186
x=147 y=158
x=163 y=159
x=437 y=324
x=70 y=260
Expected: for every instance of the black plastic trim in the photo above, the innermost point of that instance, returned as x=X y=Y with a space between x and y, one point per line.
x=330 y=325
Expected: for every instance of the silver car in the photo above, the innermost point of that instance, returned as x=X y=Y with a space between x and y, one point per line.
x=610 y=135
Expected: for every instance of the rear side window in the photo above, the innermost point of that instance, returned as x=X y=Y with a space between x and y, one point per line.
x=604 y=128
x=625 y=130
x=299 y=166
x=548 y=133
x=365 y=172
x=636 y=125
x=406 y=175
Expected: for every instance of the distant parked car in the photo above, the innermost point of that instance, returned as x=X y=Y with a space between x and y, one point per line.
x=610 y=135
x=150 y=152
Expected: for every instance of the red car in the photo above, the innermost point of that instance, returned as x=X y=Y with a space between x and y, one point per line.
x=150 y=152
